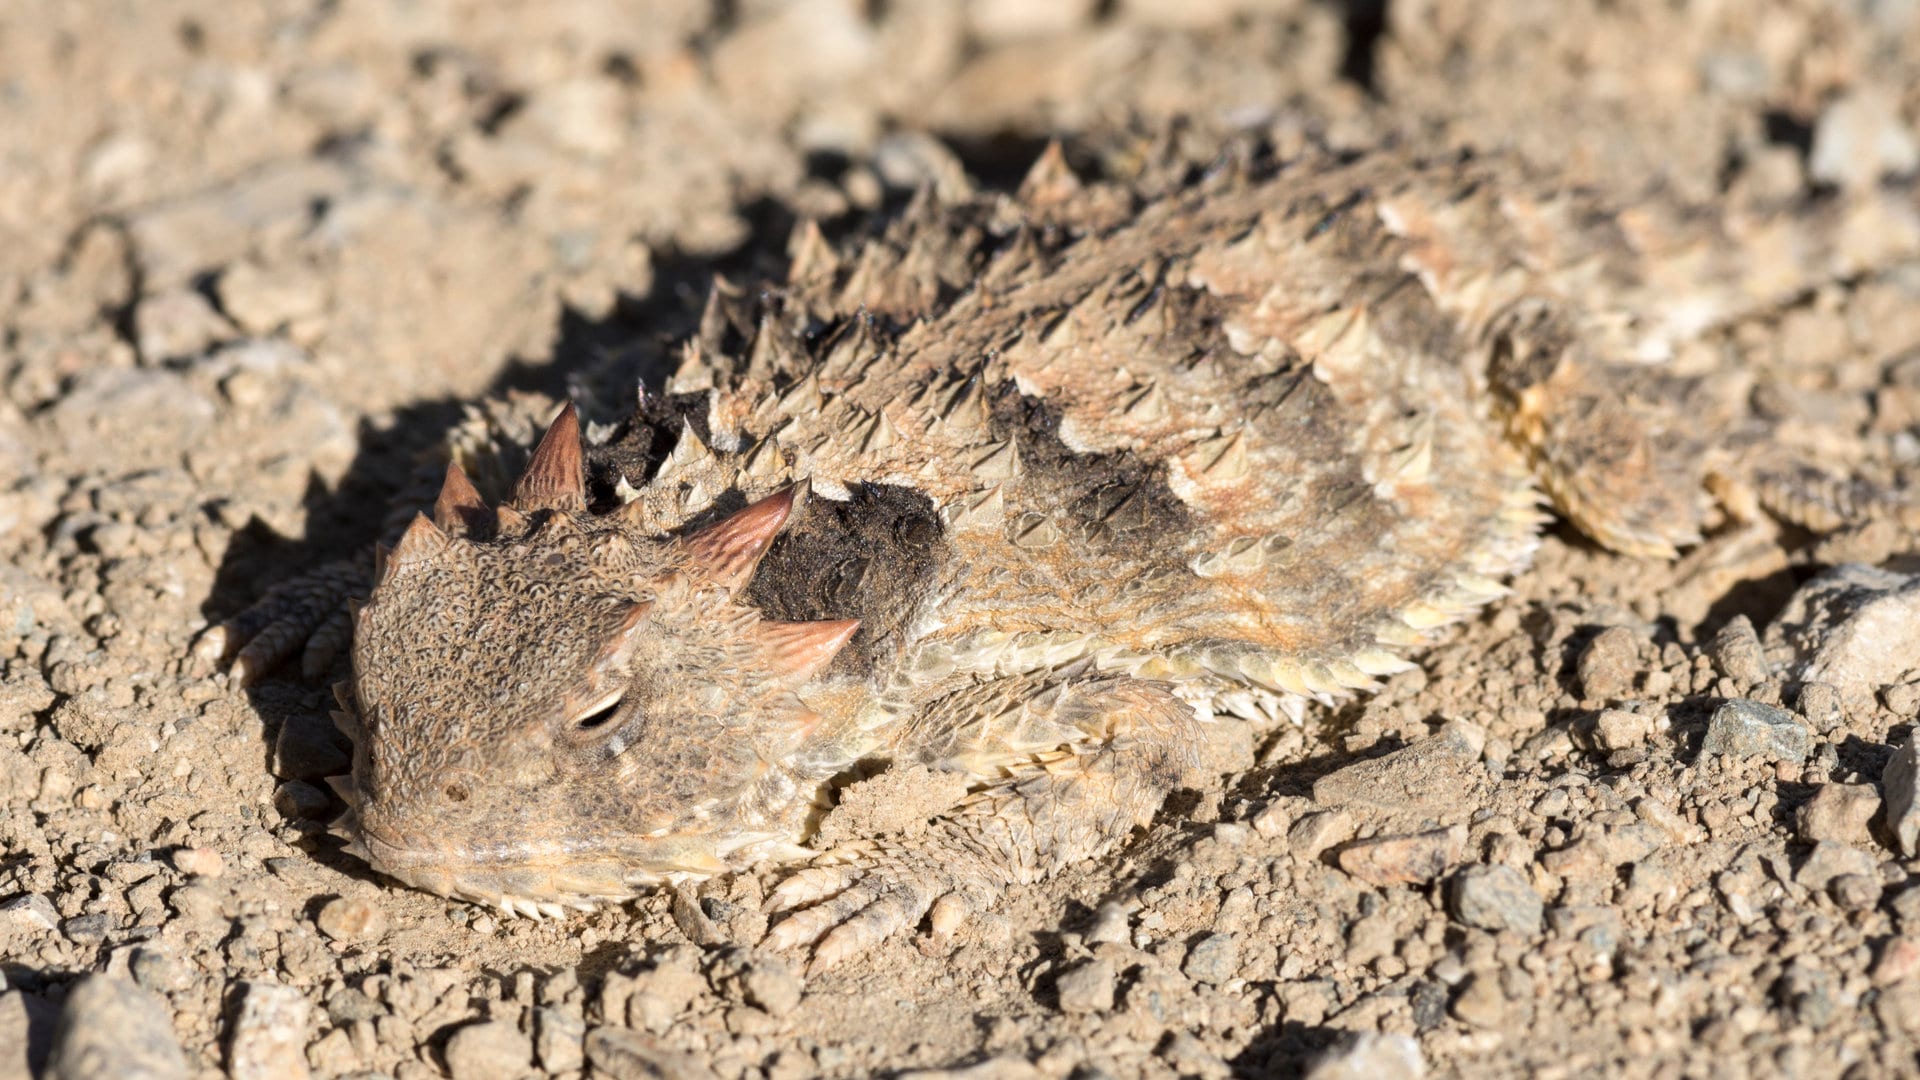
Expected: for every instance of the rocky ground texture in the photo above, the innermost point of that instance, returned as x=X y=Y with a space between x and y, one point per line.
x=1647 y=819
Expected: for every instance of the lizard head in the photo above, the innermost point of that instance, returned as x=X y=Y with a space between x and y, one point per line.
x=551 y=708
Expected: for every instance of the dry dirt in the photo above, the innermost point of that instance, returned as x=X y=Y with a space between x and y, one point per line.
x=252 y=256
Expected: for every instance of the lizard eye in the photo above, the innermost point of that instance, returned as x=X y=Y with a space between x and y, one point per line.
x=597 y=712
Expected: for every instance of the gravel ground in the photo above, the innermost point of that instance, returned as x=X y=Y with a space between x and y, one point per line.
x=1643 y=819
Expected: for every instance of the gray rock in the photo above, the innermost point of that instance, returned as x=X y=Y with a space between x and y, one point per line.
x=1748 y=729
x=1900 y=786
x=1088 y=988
x=1416 y=782
x=558 y=1035
x=30 y=913
x=625 y=1054
x=269 y=1036
x=756 y=978
x=491 y=1050
x=110 y=1027
x=1213 y=959
x=1496 y=898
x=88 y=929
x=1371 y=1056
x=1829 y=860
x=1856 y=628
x=1859 y=138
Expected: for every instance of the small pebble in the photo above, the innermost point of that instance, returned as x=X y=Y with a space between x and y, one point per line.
x=1272 y=820
x=350 y=920
x=30 y=913
x=625 y=1054
x=1213 y=959
x=1856 y=892
x=269 y=1036
x=1900 y=784
x=1898 y=961
x=1316 y=832
x=1838 y=812
x=492 y=1050
x=1748 y=729
x=299 y=800
x=1371 y=1056
x=1820 y=703
x=759 y=979
x=558 y=1035
x=1496 y=898
x=1481 y=1002
x=1410 y=859
x=1109 y=925
x=308 y=748
x=1737 y=653
x=88 y=929
x=1902 y=701
x=109 y=1027
x=1087 y=988
x=1608 y=664
x=1829 y=860
x=1617 y=729
x=199 y=861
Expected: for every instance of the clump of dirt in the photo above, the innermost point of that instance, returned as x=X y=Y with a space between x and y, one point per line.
x=253 y=258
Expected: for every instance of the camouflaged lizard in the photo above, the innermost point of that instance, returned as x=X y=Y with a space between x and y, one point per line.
x=1028 y=490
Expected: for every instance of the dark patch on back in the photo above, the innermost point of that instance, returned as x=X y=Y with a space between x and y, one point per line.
x=873 y=558
x=1117 y=501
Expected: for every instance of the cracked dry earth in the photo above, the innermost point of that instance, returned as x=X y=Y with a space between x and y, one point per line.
x=1642 y=818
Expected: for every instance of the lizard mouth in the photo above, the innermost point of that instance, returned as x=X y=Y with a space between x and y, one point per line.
x=516 y=886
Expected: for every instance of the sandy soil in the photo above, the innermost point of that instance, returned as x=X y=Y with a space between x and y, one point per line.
x=253 y=256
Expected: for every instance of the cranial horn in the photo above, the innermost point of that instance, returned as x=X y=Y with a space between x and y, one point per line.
x=802 y=649
x=422 y=541
x=460 y=509
x=556 y=477
x=729 y=549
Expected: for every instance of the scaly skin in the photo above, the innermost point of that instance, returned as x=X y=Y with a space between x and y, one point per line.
x=1028 y=490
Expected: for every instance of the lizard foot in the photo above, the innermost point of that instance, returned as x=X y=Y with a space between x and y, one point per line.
x=306 y=615
x=844 y=909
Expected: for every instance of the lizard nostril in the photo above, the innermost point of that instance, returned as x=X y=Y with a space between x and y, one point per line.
x=456 y=793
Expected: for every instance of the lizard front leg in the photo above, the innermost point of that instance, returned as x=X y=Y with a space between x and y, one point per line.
x=1064 y=765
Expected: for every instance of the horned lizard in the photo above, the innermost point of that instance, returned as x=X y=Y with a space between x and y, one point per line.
x=1029 y=490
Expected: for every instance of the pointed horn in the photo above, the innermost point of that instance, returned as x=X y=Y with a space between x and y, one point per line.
x=1051 y=180
x=729 y=549
x=802 y=649
x=422 y=540
x=460 y=510
x=556 y=478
